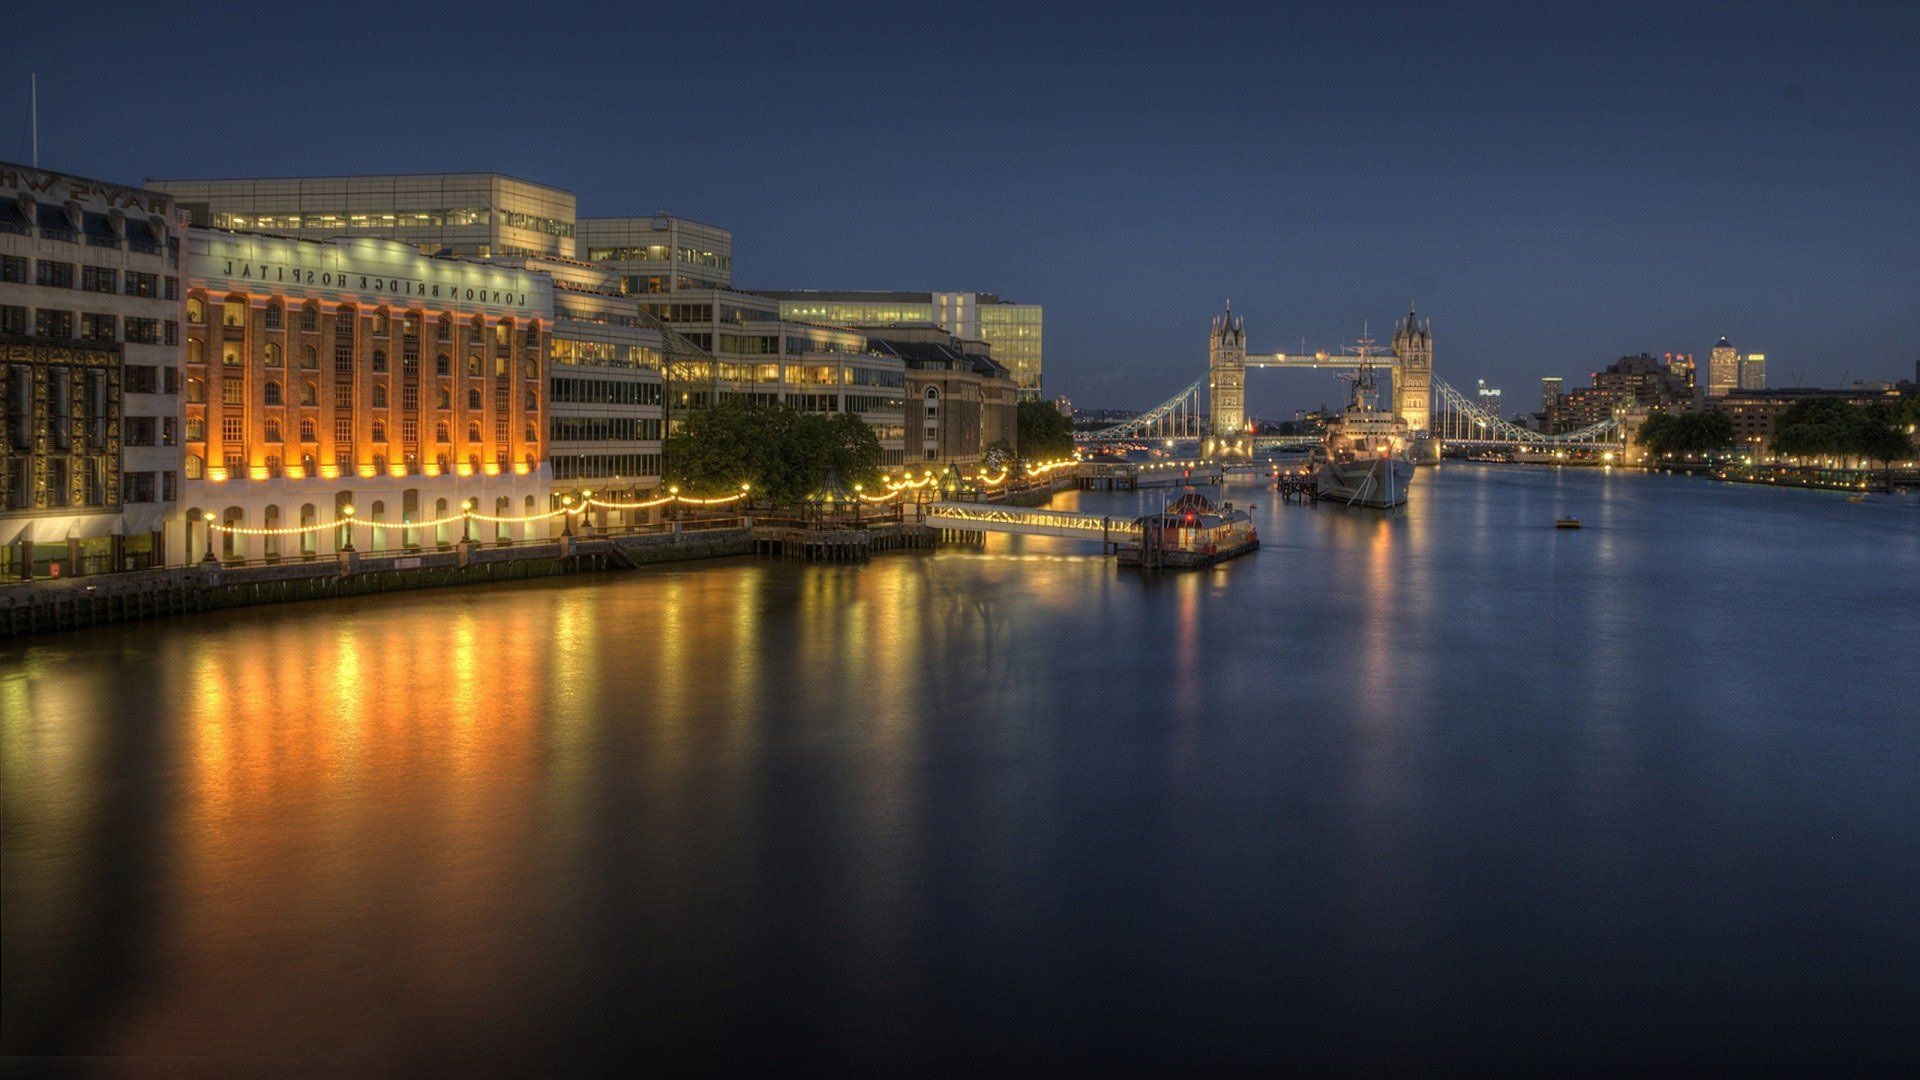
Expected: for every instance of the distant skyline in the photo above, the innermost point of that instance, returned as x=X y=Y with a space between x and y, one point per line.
x=1554 y=188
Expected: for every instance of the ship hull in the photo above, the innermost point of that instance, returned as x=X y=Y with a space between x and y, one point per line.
x=1377 y=482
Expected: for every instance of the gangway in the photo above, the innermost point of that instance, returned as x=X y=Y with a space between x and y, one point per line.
x=987 y=517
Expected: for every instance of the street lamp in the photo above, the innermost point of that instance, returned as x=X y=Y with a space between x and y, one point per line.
x=466 y=525
x=566 y=515
x=207 y=516
x=586 y=508
x=347 y=513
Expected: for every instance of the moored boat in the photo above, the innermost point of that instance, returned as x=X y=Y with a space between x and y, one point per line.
x=1191 y=532
x=1363 y=460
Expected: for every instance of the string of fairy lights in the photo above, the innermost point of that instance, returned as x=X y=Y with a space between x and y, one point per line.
x=571 y=506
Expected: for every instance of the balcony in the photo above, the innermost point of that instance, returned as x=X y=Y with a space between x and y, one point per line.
x=143 y=247
x=71 y=236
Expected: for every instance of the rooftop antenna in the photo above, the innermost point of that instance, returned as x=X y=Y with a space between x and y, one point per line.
x=33 y=95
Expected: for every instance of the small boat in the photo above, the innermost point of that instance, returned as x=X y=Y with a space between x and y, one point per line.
x=1190 y=533
x=1856 y=498
x=1568 y=522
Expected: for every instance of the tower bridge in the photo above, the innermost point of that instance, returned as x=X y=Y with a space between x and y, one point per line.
x=1430 y=407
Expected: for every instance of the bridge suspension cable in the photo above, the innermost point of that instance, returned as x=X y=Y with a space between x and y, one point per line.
x=1178 y=417
x=1456 y=419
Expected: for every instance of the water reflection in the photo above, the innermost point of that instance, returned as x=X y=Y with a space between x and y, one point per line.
x=996 y=797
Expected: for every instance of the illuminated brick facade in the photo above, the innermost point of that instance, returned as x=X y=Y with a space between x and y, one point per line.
x=358 y=372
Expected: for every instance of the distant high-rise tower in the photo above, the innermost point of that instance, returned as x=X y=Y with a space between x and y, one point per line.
x=1723 y=369
x=1488 y=398
x=1413 y=374
x=1753 y=371
x=1227 y=376
x=1681 y=366
x=1551 y=387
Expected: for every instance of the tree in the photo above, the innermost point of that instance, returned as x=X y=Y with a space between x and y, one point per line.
x=1700 y=434
x=998 y=455
x=1044 y=432
x=783 y=452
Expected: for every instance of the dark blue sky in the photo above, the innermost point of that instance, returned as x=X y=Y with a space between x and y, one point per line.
x=1554 y=184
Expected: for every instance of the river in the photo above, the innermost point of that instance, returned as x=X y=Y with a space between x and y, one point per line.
x=1442 y=787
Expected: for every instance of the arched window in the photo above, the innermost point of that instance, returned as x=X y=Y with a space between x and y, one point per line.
x=307 y=467
x=410 y=325
x=532 y=398
x=310 y=358
x=272 y=351
x=196 y=390
x=532 y=434
x=308 y=432
x=445 y=330
x=477 y=329
x=196 y=467
x=439 y=514
x=533 y=332
x=196 y=351
x=499 y=367
x=309 y=517
x=343 y=320
x=379 y=395
x=442 y=365
x=501 y=508
x=441 y=460
x=473 y=365
x=275 y=313
x=271 y=518
x=309 y=394
x=379 y=463
x=473 y=432
x=380 y=435
x=273 y=460
x=273 y=430
x=442 y=432
x=443 y=398
x=503 y=332
x=379 y=359
x=531 y=368
x=232 y=545
x=473 y=400
x=533 y=462
x=196 y=310
x=310 y=317
x=473 y=464
x=234 y=311
x=380 y=322
x=271 y=392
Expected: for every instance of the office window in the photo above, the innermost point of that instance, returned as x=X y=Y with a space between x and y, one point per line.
x=103 y=279
x=53 y=275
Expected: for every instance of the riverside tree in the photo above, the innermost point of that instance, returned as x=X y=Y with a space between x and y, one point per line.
x=784 y=452
x=1700 y=434
x=1045 y=433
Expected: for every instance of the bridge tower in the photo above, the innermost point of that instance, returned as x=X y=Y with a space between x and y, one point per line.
x=1227 y=376
x=1413 y=371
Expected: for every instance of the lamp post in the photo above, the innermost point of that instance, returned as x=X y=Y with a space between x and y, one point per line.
x=566 y=515
x=586 y=508
x=856 y=504
x=207 y=516
x=673 y=506
x=746 y=498
x=347 y=513
x=466 y=523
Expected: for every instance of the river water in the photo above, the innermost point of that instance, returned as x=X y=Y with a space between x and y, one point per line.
x=1441 y=787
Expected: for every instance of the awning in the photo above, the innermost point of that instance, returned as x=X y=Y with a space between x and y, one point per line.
x=55 y=528
x=13 y=528
x=145 y=518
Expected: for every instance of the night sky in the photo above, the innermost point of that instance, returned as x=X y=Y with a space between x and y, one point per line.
x=1553 y=187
